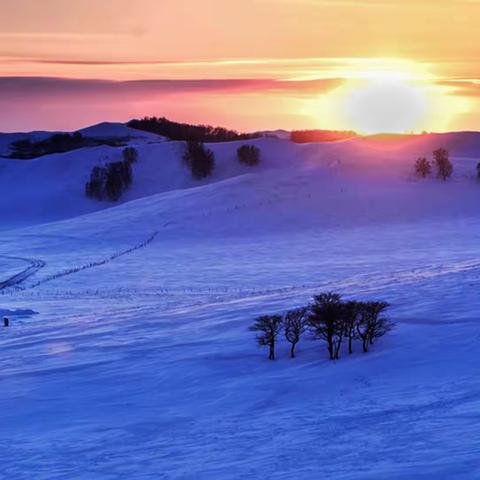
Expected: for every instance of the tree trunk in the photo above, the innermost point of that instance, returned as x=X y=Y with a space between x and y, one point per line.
x=330 y=349
x=365 y=345
x=350 y=339
x=271 y=355
x=292 y=350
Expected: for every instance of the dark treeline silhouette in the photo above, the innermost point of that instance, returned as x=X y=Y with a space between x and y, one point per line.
x=26 y=149
x=108 y=182
x=199 y=159
x=248 y=155
x=328 y=319
x=311 y=136
x=441 y=160
x=185 y=131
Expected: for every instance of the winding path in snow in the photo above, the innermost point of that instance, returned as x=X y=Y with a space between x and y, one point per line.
x=34 y=265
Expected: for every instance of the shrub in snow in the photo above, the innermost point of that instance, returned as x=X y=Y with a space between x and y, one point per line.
x=95 y=187
x=109 y=182
x=248 y=154
x=294 y=322
x=119 y=179
x=444 y=166
x=199 y=159
x=268 y=326
x=130 y=154
x=423 y=168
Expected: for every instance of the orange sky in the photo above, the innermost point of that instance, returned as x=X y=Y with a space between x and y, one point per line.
x=248 y=64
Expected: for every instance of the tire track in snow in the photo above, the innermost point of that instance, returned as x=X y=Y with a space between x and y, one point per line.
x=34 y=265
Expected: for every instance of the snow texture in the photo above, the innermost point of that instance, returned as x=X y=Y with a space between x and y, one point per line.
x=139 y=363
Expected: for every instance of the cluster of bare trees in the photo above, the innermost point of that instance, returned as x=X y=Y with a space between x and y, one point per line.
x=328 y=319
x=444 y=168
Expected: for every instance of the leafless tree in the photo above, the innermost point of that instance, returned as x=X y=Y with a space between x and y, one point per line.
x=371 y=324
x=351 y=314
x=325 y=321
x=444 y=166
x=423 y=167
x=268 y=326
x=295 y=324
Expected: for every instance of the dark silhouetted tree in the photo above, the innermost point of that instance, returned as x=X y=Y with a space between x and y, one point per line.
x=119 y=179
x=351 y=314
x=95 y=187
x=423 y=168
x=200 y=160
x=325 y=321
x=478 y=170
x=294 y=323
x=371 y=324
x=268 y=326
x=109 y=182
x=442 y=161
x=130 y=154
x=248 y=154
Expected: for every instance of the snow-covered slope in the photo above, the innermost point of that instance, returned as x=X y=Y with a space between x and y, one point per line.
x=139 y=363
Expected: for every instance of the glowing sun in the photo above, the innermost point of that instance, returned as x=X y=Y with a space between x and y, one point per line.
x=385 y=106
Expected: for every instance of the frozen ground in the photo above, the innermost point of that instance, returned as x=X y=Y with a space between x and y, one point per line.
x=139 y=364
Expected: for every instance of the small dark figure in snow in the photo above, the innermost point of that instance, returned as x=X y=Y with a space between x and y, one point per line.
x=6 y=322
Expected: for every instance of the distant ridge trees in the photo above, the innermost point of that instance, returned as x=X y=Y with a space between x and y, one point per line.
x=199 y=159
x=330 y=320
x=311 y=136
x=188 y=132
x=26 y=149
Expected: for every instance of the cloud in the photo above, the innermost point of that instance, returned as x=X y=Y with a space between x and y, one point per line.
x=462 y=87
x=51 y=87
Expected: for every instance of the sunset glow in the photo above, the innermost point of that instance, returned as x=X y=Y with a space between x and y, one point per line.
x=368 y=65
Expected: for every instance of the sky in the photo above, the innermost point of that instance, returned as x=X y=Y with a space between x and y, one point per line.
x=367 y=65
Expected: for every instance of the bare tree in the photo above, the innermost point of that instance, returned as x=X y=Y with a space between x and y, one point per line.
x=351 y=314
x=295 y=324
x=371 y=324
x=444 y=166
x=269 y=327
x=423 y=168
x=324 y=320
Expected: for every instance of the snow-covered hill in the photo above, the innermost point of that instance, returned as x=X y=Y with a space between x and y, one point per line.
x=139 y=363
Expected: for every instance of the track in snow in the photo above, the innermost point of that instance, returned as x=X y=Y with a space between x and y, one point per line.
x=34 y=265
